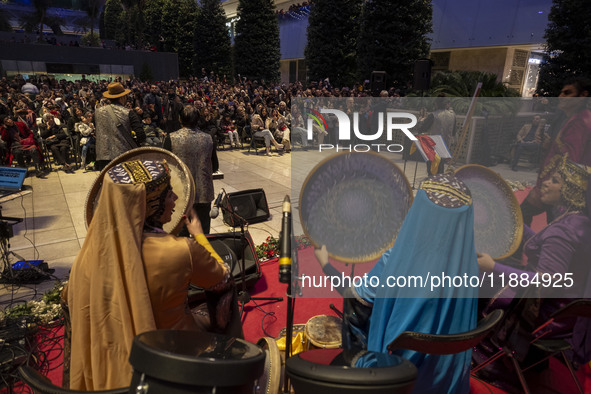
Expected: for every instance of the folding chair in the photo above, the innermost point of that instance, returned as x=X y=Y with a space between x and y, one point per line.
x=550 y=347
x=447 y=343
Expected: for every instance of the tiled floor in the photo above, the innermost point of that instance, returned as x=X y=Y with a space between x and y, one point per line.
x=53 y=228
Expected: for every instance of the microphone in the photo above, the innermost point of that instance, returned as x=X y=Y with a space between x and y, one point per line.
x=215 y=211
x=285 y=243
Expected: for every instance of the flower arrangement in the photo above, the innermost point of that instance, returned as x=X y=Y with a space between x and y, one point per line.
x=43 y=311
x=270 y=248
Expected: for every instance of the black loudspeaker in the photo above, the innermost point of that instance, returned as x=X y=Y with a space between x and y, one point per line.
x=230 y=249
x=249 y=204
x=422 y=74
x=378 y=82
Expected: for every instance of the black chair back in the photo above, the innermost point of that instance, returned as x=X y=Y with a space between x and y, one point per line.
x=448 y=343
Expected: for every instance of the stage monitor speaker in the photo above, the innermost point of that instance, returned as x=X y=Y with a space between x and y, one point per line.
x=422 y=74
x=228 y=246
x=249 y=204
x=378 y=82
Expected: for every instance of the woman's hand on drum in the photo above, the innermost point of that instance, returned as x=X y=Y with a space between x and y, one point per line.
x=193 y=224
x=321 y=255
x=485 y=262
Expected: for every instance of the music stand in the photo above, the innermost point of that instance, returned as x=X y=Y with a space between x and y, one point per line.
x=244 y=296
x=440 y=149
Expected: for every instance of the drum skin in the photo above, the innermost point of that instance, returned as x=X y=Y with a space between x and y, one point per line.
x=324 y=332
x=498 y=222
x=354 y=203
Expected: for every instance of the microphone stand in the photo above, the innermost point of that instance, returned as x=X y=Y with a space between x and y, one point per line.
x=290 y=312
x=244 y=296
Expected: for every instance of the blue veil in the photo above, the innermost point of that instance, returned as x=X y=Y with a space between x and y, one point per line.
x=435 y=241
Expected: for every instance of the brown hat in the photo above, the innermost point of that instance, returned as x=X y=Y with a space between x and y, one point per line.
x=115 y=90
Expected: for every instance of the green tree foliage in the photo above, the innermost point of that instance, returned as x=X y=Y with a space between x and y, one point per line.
x=392 y=36
x=213 y=46
x=331 y=51
x=34 y=22
x=568 y=43
x=170 y=25
x=91 y=39
x=114 y=21
x=256 y=46
x=153 y=22
x=185 y=39
x=92 y=9
x=460 y=85
x=463 y=84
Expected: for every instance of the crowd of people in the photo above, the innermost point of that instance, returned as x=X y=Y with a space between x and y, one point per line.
x=101 y=120
x=59 y=115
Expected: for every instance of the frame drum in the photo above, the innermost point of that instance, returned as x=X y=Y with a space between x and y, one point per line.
x=270 y=381
x=354 y=203
x=324 y=332
x=175 y=361
x=337 y=371
x=181 y=181
x=498 y=223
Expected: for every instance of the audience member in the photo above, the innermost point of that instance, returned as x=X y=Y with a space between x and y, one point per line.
x=529 y=139
x=574 y=139
x=115 y=126
x=195 y=148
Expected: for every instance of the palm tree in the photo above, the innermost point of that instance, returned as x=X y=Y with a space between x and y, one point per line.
x=41 y=7
x=93 y=10
x=4 y=22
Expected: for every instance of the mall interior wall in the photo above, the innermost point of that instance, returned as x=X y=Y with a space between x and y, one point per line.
x=164 y=66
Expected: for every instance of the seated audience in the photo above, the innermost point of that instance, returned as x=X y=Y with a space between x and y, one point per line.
x=258 y=129
x=154 y=134
x=528 y=139
x=20 y=143
x=56 y=139
x=87 y=136
x=228 y=127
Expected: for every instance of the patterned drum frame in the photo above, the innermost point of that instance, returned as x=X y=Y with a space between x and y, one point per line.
x=498 y=223
x=181 y=181
x=354 y=203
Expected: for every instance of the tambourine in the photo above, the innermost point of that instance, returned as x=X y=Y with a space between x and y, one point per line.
x=354 y=203
x=270 y=381
x=181 y=181
x=498 y=222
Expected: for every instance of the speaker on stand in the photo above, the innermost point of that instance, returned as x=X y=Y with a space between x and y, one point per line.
x=378 y=82
x=253 y=204
x=250 y=205
x=422 y=75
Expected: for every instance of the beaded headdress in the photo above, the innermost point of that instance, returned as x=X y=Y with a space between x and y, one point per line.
x=576 y=179
x=447 y=191
x=153 y=174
